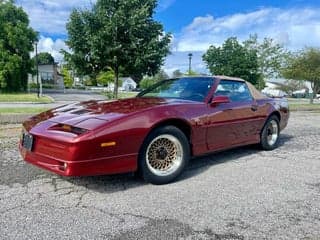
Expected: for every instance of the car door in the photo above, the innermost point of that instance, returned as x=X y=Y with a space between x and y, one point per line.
x=231 y=123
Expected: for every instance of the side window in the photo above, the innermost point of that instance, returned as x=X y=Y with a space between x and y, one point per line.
x=235 y=90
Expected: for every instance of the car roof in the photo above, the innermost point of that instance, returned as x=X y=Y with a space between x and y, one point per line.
x=222 y=77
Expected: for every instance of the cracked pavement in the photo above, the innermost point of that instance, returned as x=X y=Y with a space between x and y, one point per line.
x=242 y=193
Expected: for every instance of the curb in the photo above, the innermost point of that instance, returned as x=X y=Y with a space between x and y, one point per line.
x=13 y=118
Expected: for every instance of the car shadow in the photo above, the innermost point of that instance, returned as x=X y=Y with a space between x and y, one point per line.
x=200 y=164
x=197 y=165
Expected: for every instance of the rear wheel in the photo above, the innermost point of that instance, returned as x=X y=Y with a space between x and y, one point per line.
x=270 y=133
x=164 y=155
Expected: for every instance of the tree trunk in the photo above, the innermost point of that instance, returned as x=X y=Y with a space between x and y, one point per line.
x=311 y=97
x=314 y=91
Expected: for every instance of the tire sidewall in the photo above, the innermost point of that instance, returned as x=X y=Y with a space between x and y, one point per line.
x=264 y=135
x=143 y=167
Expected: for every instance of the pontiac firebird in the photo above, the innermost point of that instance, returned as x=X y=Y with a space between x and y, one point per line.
x=155 y=133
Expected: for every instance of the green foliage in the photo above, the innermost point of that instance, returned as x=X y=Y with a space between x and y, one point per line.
x=270 y=56
x=147 y=82
x=16 y=42
x=191 y=73
x=121 y=35
x=23 y=97
x=304 y=65
x=161 y=75
x=233 y=59
x=44 y=58
x=106 y=77
x=67 y=78
x=177 y=73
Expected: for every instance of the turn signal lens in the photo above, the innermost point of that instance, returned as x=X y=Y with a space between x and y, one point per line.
x=108 y=144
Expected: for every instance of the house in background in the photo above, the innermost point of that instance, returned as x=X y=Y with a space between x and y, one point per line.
x=273 y=88
x=128 y=84
x=48 y=75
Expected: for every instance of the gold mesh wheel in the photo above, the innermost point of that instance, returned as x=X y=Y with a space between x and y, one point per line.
x=164 y=155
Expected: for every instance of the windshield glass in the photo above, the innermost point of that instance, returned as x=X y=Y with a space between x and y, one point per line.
x=194 y=89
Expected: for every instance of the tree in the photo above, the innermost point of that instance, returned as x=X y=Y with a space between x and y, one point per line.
x=67 y=78
x=161 y=75
x=289 y=86
x=117 y=34
x=191 y=73
x=44 y=58
x=270 y=57
x=149 y=81
x=16 y=42
x=106 y=77
x=304 y=65
x=233 y=59
x=177 y=73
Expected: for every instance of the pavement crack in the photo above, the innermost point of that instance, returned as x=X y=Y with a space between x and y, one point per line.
x=81 y=197
x=54 y=184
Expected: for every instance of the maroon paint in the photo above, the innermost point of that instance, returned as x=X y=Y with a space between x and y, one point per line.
x=127 y=122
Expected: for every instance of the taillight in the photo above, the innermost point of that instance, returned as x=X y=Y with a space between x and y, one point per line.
x=68 y=128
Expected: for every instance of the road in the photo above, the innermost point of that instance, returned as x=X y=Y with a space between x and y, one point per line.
x=242 y=193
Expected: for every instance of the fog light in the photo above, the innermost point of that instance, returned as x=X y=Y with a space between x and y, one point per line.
x=63 y=166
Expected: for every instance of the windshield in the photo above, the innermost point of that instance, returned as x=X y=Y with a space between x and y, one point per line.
x=194 y=89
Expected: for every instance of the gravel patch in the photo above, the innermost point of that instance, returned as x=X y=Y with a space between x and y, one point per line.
x=242 y=193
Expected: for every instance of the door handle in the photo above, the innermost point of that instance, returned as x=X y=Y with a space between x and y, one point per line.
x=254 y=108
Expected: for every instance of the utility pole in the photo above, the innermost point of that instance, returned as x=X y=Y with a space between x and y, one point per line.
x=190 y=58
x=37 y=68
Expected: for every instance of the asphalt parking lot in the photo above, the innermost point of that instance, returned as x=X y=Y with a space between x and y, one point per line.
x=243 y=193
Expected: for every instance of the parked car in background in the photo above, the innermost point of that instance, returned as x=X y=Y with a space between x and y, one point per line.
x=155 y=133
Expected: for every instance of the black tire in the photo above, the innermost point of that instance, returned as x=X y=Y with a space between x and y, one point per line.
x=270 y=133
x=164 y=155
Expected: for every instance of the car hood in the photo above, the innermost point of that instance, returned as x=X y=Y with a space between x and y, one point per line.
x=98 y=112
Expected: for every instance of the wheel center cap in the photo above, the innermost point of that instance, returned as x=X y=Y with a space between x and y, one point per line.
x=162 y=153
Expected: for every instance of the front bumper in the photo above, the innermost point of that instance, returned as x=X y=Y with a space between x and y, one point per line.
x=90 y=167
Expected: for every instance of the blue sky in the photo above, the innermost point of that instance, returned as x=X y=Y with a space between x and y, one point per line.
x=196 y=25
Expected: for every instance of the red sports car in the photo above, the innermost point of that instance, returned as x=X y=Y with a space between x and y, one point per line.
x=156 y=132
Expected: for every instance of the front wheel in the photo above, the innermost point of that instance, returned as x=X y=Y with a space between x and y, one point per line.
x=270 y=133
x=164 y=155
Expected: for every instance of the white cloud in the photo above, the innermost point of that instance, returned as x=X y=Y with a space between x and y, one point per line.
x=50 y=16
x=165 y=4
x=47 y=44
x=295 y=28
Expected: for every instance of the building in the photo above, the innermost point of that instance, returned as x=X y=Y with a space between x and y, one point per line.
x=128 y=84
x=48 y=75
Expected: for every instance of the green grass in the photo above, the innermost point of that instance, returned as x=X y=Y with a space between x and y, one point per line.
x=121 y=95
x=304 y=107
x=19 y=110
x=127 y=94
x=23 y=97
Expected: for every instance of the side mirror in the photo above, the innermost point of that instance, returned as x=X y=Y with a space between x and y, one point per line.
x=219 y=99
